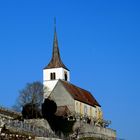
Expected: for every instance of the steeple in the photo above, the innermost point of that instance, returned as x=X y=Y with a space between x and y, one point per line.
x=56 y=61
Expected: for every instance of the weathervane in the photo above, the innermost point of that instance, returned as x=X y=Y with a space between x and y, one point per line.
x=55 y=23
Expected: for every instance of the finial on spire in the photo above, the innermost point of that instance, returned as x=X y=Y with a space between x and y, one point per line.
x=55 y=24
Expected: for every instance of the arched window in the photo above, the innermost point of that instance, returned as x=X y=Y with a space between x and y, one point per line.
x=52 y=76
x=66 y=76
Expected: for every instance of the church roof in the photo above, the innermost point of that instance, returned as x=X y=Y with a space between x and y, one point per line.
x=10 y=113
x=56 y=61
x=80 y=94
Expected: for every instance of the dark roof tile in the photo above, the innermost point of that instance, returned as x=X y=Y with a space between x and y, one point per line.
x=56 y=61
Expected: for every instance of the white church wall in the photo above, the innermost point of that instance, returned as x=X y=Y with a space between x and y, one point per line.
x=50 y=84
x=99 y=113
x=60 y=72
x=85 y=109
x=62 y=97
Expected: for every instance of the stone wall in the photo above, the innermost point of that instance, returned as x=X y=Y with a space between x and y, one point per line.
x=26 y=128
x=40 y=128
x=39 y=123
x=89 y=130
x=9 y=114
x=42 y=138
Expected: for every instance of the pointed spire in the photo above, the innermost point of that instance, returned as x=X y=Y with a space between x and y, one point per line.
x=55 y=53
x=56 y=61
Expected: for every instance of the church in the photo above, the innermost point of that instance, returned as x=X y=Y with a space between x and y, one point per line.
x=69 y=97
x=74 y=104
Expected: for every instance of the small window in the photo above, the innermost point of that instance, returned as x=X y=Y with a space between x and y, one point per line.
x=77 y=107
x=52 y=76
x=85 y=109
x=66 y=76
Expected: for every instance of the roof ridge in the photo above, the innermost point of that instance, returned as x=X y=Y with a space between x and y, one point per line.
x=81 y=93
x=75 y=85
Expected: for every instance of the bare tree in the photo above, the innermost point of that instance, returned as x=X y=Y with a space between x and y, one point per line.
x=32 y=94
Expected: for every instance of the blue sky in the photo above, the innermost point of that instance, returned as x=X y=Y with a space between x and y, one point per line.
x=99 y=42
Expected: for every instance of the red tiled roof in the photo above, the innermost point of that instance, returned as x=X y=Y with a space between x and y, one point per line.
x=80 y=94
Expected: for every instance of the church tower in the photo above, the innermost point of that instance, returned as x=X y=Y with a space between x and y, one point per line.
x=55 y=70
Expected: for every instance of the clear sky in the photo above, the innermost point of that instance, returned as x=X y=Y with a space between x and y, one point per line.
x=99 y=42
